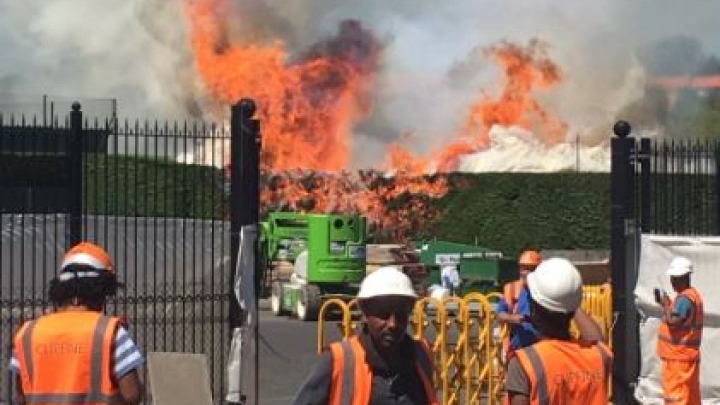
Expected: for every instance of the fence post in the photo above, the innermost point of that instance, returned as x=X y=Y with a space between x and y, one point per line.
x=717 y=188
x=625 y=333
x=644 y=158
x=244 y=210
x=75 y=173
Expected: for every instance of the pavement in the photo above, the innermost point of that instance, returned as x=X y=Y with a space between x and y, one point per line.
x=288 y=353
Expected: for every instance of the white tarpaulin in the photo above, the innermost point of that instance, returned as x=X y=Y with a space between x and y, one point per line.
x=242 y=373
x=656 y=253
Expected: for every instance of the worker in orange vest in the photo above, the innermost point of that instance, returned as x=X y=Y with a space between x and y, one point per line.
x=514 y=307
x=680 y=336
x=76 y=354
x=382 y=365
x=558 y=369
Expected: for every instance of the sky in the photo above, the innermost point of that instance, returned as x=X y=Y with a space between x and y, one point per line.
x=137 y=52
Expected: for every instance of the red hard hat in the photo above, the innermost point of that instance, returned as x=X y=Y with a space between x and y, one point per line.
x=88 y=254
x=530 y=258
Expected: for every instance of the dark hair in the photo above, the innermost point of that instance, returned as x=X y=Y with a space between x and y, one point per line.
x=90 y=291
x=550 y=323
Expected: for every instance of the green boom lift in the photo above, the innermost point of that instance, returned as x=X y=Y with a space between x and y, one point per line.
x=328 y=254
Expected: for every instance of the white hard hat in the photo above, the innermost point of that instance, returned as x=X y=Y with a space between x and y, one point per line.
x=680 y=266
x=556 y=285
x=386 y=280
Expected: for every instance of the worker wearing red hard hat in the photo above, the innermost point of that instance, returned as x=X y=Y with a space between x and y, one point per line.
x=383 y=363
x=514 y=307
x=76 y=354
x=559 y=369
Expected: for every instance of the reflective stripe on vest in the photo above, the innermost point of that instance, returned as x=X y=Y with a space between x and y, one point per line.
x=350 y=368
x=94 y=394
x=73 y=399
x=27 y=348
x=512 y=293
x=683 y=341
x=540 y=375
x=348 y=375
x=548 y=372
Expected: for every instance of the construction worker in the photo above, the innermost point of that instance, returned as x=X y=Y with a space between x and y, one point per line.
x=76 y=354
x=558 y=369
x=514 y=307
x=382 y=365
x=680 y=336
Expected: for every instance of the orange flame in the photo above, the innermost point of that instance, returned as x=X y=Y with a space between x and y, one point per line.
x=526 y=69
x=307 y=107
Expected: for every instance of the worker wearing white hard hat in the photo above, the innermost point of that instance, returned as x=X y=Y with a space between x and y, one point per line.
x=559 y=369
x=680 y=335
x=382 y=362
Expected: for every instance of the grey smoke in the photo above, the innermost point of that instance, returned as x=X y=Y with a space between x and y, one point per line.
x=137 y=51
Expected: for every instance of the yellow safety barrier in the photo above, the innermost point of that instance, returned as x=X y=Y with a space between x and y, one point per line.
x=467 y=340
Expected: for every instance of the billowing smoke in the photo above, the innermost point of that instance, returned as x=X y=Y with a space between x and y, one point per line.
x=433 y=63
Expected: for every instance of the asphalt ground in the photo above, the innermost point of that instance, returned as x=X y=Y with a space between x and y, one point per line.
x=288 y=353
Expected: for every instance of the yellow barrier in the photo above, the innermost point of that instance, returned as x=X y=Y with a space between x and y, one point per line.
x=467 y=340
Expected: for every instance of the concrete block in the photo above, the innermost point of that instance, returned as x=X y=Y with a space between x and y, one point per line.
x=179 y=379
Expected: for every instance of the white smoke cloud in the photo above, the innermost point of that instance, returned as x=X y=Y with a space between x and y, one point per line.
x=137 y=51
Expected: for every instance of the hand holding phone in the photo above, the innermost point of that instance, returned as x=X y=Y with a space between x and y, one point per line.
x=658 y=296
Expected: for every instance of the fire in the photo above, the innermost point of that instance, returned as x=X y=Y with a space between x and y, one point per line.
x=307 y=106
x=526 y=69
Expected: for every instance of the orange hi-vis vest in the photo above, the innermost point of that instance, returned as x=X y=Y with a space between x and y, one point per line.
x=682 y=342
x=567 y=372
x=511 y=293
x=352 y=377
x=65 y=358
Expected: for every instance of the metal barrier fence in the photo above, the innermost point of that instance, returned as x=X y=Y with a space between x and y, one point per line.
x=154 y=194
x=466 y=339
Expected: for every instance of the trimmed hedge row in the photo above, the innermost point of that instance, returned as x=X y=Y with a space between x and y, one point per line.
x=503 y=211
x=511 y=211
x=130 y=186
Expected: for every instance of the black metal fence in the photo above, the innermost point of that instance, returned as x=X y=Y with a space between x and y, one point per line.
x=662 y=187
x=154 y=194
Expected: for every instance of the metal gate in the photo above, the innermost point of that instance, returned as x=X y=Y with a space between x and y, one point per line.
x=657 y=186
x=154 y=194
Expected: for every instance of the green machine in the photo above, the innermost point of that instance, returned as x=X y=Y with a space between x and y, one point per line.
x=328 y=257
x=481 y=269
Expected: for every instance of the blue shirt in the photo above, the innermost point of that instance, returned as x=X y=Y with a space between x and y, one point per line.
x=524 y=334
x=682 y=307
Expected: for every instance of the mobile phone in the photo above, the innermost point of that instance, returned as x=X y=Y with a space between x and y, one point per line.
x=658 y=296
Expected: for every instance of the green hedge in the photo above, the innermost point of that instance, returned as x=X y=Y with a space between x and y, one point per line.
x=510 y=211
x=130 y=186
x=503 y=211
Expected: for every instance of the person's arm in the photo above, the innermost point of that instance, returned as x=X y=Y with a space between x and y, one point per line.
x=518 y=399
x=127 y=359
x=504 y=316
x=316 y=389
x=130 y=387
x=14 y=372
x=517 y=384
x=589 y=330
x=676 y=314
x=19 y=394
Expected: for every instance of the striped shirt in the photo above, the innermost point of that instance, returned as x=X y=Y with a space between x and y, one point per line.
x=126 y=356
